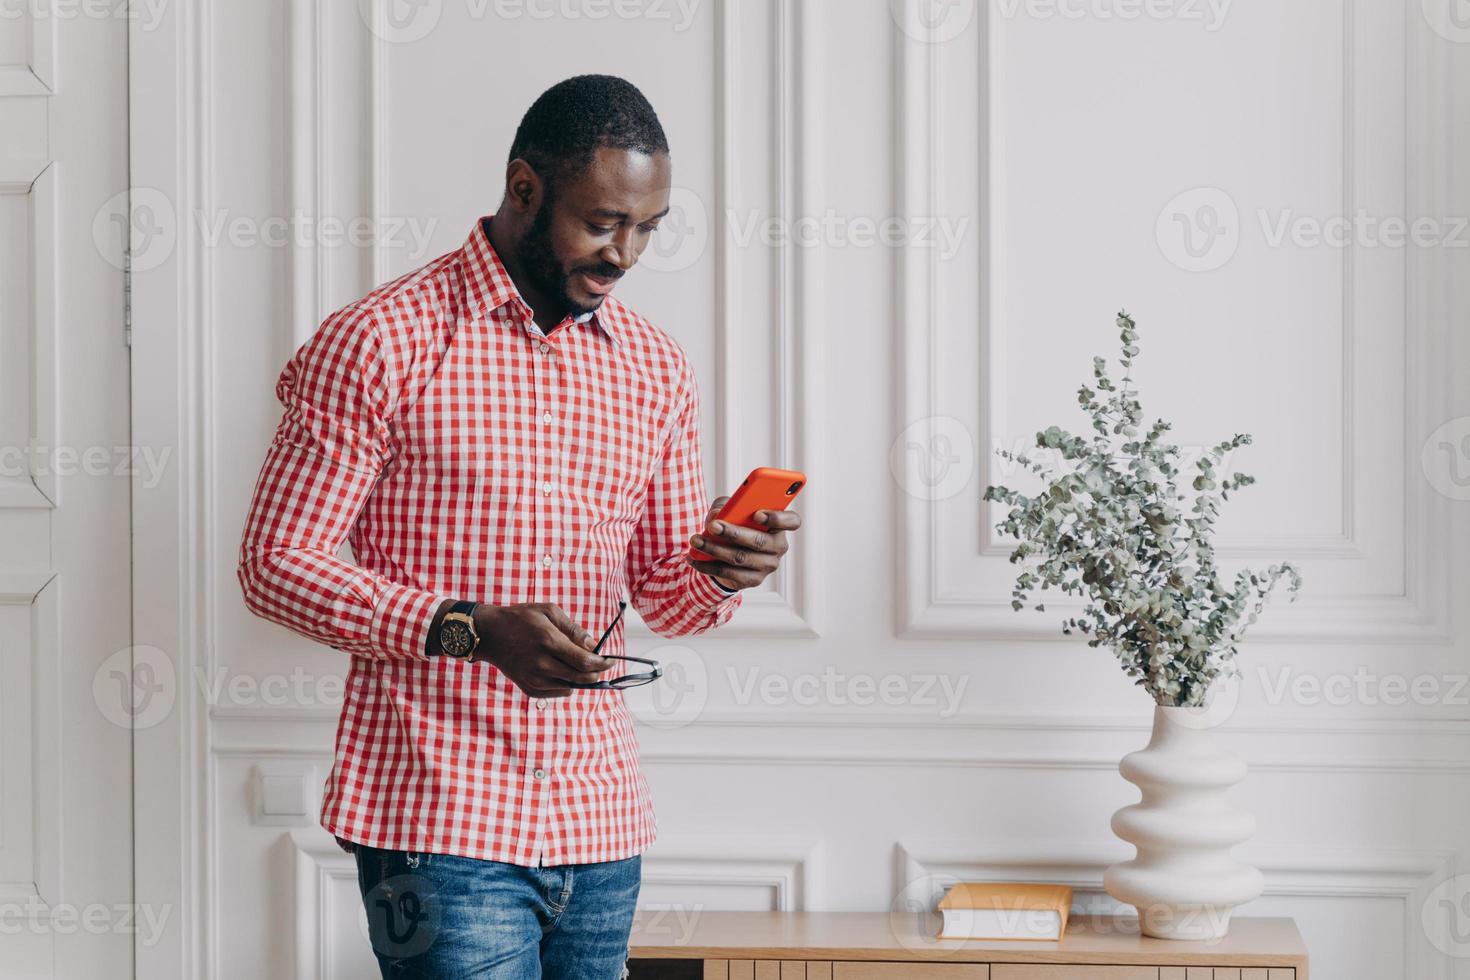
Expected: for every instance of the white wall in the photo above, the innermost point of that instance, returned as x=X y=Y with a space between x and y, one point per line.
x=1055 y=142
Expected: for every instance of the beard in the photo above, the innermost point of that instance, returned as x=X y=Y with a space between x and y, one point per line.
x=537 y=258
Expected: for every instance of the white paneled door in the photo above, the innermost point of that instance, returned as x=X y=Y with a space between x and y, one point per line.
x=67 y=690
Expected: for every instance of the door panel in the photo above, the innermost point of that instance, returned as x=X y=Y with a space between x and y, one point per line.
x=65 y=665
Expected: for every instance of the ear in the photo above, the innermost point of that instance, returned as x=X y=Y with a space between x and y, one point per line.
x=522 y=187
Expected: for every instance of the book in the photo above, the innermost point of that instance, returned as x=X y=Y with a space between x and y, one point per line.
x=1005 y=910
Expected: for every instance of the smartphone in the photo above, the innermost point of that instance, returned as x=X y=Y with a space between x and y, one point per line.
x=766 y=488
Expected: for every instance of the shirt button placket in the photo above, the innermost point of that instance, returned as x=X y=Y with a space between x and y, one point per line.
x=547 y=453
x=541 y=725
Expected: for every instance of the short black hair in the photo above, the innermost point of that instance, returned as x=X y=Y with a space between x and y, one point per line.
x=570 y=121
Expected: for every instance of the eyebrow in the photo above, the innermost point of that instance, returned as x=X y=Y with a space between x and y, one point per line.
x=621 y=215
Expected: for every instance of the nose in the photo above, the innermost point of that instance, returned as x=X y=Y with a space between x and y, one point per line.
x=620 y=251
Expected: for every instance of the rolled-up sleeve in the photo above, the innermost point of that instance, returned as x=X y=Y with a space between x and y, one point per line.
x=673 y=597
x=338 y=391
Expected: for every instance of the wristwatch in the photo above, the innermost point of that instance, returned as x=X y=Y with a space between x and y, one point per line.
x=457 y=636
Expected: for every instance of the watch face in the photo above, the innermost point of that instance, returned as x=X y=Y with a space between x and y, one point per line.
x=455 y=639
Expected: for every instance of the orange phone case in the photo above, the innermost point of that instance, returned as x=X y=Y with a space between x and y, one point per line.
x=766 y=488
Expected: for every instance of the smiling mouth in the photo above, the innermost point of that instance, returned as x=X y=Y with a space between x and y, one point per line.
x=598 y=284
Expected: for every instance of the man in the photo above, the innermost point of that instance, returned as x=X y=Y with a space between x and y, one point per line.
x=510 y=451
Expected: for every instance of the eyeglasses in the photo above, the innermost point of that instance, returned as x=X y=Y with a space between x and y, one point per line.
x=626 y=680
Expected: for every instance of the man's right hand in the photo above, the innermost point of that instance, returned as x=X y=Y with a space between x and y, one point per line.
x=538 y=646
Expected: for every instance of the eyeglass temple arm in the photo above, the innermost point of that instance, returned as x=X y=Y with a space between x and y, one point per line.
x=622 y=605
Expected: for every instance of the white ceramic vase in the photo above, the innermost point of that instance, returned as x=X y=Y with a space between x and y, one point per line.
x=1183 y=881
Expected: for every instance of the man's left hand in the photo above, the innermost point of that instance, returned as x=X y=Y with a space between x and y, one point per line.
x=743 y=556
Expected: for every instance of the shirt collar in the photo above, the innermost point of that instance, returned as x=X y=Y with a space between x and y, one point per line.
x=488 y=285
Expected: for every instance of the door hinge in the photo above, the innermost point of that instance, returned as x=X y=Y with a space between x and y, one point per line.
x=128 y=298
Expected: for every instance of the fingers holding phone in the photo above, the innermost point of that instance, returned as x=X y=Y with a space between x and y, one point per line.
x=745 y=534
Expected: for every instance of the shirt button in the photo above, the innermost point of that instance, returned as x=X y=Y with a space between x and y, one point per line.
x=546 y=560
x=546 y=487
x=545 y=348
x=546 y=416
x=540 y=702
x=539 y=773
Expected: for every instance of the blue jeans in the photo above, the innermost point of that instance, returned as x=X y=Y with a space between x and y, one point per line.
x=446 y=917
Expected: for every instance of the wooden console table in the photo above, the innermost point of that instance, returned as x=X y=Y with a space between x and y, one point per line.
x=877 y=946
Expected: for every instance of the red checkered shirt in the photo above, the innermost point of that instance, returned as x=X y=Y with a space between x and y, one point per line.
x=464 y=454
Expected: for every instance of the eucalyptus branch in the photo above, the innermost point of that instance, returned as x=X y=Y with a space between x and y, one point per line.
x=1110 y=524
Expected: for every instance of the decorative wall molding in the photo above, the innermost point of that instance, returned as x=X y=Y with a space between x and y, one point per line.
x=319 y=867
x=1423 y=747
x=790 y=868
x=791 y=608
x=308 y=63
x=173 y=102
x=929 y=609
x=772 y=739
x=338 y=101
